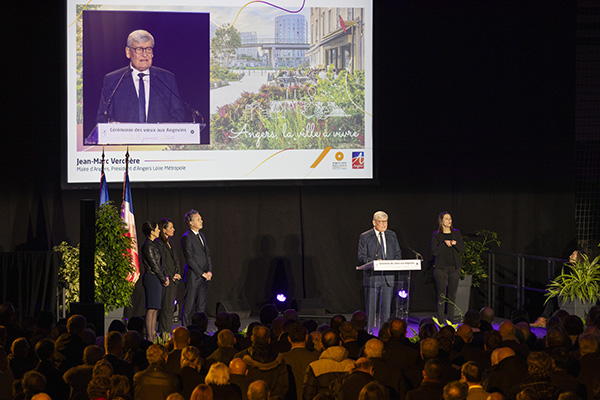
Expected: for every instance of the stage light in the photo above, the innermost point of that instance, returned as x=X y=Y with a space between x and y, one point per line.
x=281 y=298
x=403 y=293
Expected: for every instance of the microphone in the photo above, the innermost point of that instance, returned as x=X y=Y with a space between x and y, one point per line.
x=417 y=254
x=195 y=113
x=109 y=102
x=377 y=249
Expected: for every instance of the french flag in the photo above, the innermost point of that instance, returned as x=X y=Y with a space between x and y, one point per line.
x=103 y=186
x=129 y=219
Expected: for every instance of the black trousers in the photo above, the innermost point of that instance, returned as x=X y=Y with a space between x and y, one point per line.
x=195 y=298
x=167 y=308
x=446 y=283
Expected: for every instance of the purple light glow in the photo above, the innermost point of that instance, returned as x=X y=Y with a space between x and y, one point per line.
x=402 y=293
x=281 y=297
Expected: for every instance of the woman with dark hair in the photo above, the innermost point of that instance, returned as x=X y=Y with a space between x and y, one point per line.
x=154 y=276
x=446 y=245
x=171 y=267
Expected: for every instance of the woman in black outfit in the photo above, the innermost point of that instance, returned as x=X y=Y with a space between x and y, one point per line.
x=154 y=277
x=171 y=268
x=446 y=245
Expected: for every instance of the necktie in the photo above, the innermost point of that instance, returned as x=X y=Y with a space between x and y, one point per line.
x=382 y=245
x=142 y=99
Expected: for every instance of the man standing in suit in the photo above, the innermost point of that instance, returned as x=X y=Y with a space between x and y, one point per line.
x=378 y=243
x=198 y=267
x=124 y=99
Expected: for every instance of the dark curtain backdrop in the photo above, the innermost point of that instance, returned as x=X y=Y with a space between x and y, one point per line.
x=29 y=280
x=473 y=113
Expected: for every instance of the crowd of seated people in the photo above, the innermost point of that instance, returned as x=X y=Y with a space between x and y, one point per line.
x=284 y=357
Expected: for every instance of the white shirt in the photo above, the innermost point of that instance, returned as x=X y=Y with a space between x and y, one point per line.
x=136 y=83
x=381 y=239
x=197 y=233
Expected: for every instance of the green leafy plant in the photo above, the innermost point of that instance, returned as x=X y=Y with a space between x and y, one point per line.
x=457 y=310
x=472 y=259
x=579 y=280
x=112 y=263
x=163 y=338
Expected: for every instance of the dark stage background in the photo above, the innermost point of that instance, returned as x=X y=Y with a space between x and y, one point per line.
x=473 y=113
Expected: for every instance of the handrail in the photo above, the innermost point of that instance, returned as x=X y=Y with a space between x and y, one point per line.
x=520 y=284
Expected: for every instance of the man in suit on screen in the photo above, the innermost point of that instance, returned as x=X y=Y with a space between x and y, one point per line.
x=378 y=243
x=198 y=267
x=124 y=99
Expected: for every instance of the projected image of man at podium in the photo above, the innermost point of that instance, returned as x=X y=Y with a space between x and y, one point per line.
x=124 y=99
x=378 y=243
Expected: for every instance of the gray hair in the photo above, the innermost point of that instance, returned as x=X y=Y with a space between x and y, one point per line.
x=379 y=215
x=140 y=36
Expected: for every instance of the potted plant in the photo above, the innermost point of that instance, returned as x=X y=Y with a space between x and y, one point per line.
x=112 y=263
x=473 y=270
x=578 y=285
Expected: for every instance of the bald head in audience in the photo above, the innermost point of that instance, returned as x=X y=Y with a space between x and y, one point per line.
x=374 y=348
x=487 y=314
x=505 y=352
x=507 y=330
x=237 y=366
x=258 y=390
x=41 y=396
x=181 y=337
x=465 y=332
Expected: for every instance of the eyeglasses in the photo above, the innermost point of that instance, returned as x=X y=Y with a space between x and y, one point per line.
x=140 y=50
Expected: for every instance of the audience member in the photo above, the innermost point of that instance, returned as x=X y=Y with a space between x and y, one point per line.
x=487 y=317
x=218 y=379
x=98 y=388
x=33 y=383
x=21 y=358
x=258 y=390
x=508 y=373
x=238 y=375
x=55 y=386
x=264 y=364
x=298 y=358
x=155 y=382
x=181 y=339
x=224 y=354
x=359 y=318
x=189 y=374
x=471 y=374
x=332 y=364
x=202 y=392
x=456 y=390
x=120 y=388
x=360 y=375
x=373 y=391
x=392 y=378
x=397 y=350
x=114 y=353
x=68 y=348
x=431 y=387
x=589 y=361
x=349 y=336
x=539 y=367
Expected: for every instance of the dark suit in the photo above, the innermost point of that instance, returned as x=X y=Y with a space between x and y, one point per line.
x=197 y=262
x=164 y=104
x=369 y=249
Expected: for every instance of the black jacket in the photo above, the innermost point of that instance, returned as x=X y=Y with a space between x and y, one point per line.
x=152 y=260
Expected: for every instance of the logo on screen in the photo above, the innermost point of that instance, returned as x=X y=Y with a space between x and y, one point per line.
x=358 y=160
